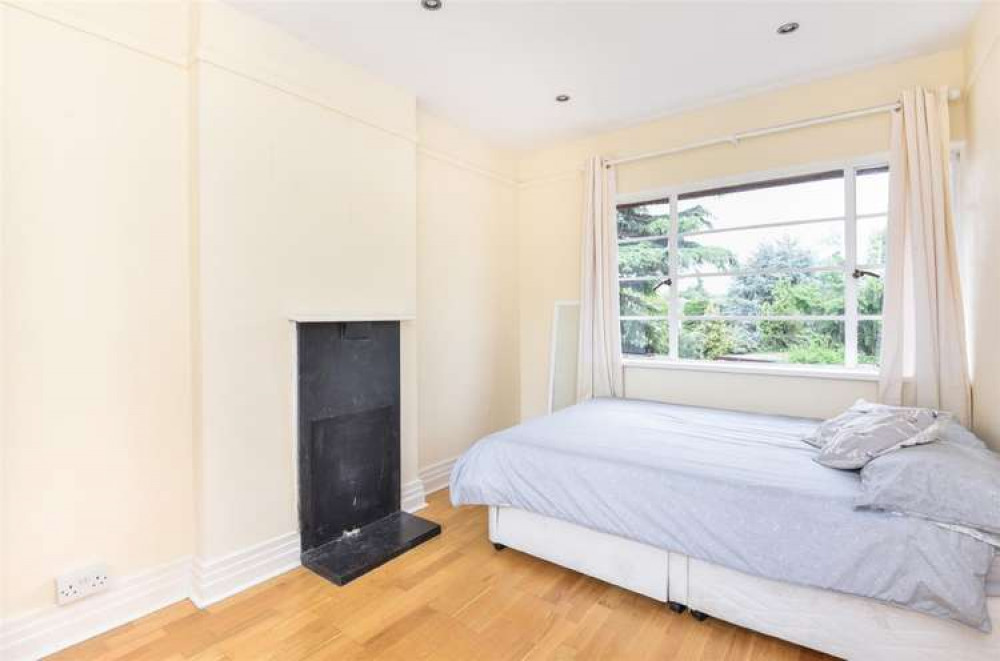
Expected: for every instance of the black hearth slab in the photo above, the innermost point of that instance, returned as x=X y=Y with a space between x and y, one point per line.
x=345 y=559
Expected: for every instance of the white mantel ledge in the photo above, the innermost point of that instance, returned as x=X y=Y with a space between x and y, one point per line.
x=320 y=317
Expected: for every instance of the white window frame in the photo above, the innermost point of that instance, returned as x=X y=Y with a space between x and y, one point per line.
x=851 y=318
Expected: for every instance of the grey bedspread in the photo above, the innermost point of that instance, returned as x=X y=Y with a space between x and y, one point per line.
x=736 y=489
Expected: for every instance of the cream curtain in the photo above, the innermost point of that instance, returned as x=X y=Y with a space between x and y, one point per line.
x=599 y=361
x=923 y=346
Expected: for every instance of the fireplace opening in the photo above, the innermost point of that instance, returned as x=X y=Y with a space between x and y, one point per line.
x=349 y=455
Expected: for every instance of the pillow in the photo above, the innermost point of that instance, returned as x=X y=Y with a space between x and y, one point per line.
x=945 y=482
x=828 y=428
x=882 y=429
x=948 y=430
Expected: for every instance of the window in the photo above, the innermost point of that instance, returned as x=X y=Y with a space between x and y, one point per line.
x=781 y=271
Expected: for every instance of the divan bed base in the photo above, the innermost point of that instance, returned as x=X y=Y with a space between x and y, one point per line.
x=847 y=626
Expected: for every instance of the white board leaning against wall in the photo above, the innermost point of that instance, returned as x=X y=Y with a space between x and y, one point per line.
x=562 y=354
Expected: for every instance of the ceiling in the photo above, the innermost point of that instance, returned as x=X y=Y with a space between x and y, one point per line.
x=495 y=67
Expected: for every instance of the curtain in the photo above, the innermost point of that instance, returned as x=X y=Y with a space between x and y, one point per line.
x=923 y=347
x=599 y=359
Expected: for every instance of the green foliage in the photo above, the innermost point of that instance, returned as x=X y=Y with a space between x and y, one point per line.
x=869 y=342
x=802 y=294
x=876 y=253
x=645 y=337
x=696 y=299
x=641 y=300
x=816 y=349
x=636 y=221
x=719 y=340
x=651 y=258
x=870 y=292
x=714 y=339
x=751 y=290
x=807 y=293
x=786 y=288
x=693 y=254
x=643 y=258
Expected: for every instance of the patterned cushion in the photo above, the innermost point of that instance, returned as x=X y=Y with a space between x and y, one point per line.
x=877 y=431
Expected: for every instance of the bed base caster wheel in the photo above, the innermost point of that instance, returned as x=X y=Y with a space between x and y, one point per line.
x=498 y=547
x=698 y=615
x=676 y=607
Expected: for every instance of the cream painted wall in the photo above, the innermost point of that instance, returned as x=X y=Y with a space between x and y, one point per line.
x=980 y=219
x=550 y=202
x=548 y=263
x=307 y=206
x=186 y=179
x=809 y=397
x=466 y=289
x=156 y=29
x=96 y=370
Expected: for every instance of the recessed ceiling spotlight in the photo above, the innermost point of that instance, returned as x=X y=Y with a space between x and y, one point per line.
x=431 y=5
x=562 y=98
x=788 y=28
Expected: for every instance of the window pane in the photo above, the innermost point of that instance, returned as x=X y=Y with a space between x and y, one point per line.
x=645 y=338
x=872 y=186
x=870 y=292
x=803 y=342
x=643 y=258
x=872 y=240
x=769 y=203
x=802 y=293
x=796 y=247
x=639 y=299
x=649 y=219
x=869 y=341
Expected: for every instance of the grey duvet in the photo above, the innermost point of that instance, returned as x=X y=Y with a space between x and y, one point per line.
x=737 y=489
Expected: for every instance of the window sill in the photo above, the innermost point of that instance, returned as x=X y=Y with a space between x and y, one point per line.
x=804 y=371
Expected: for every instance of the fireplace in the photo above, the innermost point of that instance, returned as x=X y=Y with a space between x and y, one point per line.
x=349 y=456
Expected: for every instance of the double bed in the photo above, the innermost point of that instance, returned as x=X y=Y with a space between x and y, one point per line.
x=727 y=514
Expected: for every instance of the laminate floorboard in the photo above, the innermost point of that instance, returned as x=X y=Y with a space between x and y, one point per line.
x=452 y=598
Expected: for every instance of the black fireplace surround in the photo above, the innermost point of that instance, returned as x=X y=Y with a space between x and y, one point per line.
x=349 y=457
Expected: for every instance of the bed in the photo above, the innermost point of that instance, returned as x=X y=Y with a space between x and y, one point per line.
x=725 y=513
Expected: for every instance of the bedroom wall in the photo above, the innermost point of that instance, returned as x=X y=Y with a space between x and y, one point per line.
x=306 y=207
x=980 y=219
x=466 y=289
x=273 y=182
x=550 y=199
x=96 y=370
x=186 y=179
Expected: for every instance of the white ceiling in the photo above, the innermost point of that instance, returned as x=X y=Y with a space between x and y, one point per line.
x=495 y=67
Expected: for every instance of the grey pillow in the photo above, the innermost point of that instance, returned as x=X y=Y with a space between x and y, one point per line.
x=948 y=430
x=829 y=428
x=880 y=430
x=945 y=482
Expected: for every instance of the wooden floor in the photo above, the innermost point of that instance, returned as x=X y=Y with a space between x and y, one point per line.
x=452 y=598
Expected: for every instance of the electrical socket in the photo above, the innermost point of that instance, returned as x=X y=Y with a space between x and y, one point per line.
x=82 y=583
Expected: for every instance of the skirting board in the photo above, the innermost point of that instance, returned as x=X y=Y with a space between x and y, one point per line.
x=214 y=580
x=435 y=477
x=204 y=582
x=411 y=497
x=51 y=629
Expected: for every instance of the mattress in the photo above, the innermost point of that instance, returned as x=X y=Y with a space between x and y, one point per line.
x=736 y=489
x=993 y=578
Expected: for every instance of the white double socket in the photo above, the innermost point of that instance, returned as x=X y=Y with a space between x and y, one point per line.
x=81 y=583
